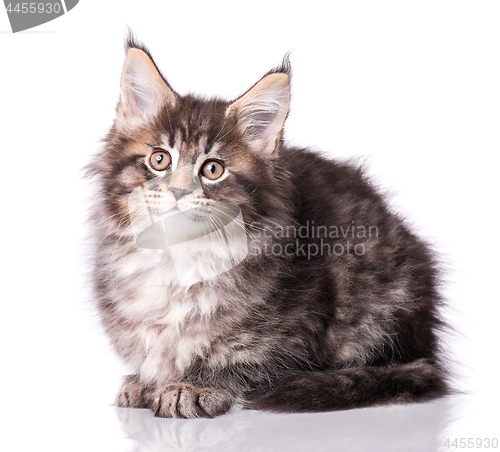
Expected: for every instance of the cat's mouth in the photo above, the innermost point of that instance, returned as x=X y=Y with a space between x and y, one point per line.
x=204 y=216
x=182 y=217
x=164 y=212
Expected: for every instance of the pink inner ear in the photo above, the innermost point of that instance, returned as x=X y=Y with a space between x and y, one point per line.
x=262 y=111
x=144 y=91
x=260 y=123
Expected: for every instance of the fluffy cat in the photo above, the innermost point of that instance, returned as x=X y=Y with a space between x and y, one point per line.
x=327 y=301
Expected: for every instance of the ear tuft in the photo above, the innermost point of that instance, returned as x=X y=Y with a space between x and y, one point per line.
x=144 y=92
x=284 y=68
x=131 y=42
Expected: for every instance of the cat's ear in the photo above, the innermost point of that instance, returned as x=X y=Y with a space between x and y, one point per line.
x=143 y=91
x=262 y=110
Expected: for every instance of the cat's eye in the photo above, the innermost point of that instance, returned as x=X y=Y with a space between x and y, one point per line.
x=212 y=169
x=160 y=160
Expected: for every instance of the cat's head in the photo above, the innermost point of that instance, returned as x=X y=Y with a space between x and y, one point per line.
x=184 y=152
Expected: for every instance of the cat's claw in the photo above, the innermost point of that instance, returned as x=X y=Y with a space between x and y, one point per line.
x=180 y=400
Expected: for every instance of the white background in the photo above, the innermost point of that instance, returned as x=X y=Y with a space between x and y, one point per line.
x=411 y=87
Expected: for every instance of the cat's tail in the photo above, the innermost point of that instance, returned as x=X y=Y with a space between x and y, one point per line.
x=305 y=391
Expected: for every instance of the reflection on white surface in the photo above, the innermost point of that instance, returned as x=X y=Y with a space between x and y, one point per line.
x=417 y=427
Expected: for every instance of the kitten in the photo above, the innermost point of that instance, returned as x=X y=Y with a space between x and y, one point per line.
x=231 y=269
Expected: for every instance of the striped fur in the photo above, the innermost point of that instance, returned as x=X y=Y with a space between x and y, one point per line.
x=278 y=331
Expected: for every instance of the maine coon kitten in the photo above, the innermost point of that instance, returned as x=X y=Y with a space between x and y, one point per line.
x=327 y=301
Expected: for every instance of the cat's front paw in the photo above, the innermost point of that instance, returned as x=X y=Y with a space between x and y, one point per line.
x=131 y=393
x=182 y=400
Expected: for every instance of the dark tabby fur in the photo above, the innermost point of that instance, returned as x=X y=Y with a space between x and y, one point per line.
x=286 y=332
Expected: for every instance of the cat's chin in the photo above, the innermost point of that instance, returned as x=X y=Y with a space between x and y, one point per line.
x=169 y=213
x=188 y=212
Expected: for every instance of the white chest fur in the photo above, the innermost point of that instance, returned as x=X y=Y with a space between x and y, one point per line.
x=167 y=323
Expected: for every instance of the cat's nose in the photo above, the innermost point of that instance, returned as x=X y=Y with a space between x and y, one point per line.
x=178 y=192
